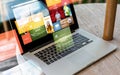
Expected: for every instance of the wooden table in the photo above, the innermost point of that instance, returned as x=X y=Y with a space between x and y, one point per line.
x=91 y=18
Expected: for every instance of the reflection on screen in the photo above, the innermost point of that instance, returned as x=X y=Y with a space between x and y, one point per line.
x=34 y=19
x=63 y=39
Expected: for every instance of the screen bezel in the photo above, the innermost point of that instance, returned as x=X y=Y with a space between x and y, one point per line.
x=42 y=41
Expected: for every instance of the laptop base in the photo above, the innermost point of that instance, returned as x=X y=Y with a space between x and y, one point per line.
x=79 y=59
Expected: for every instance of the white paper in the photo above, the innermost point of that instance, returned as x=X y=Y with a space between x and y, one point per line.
x=27 y=68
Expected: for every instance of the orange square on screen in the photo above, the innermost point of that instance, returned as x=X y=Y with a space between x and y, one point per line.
x=52 y=2
x=26 y=38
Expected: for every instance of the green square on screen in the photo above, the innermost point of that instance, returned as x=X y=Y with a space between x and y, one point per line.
x=38 y=33
x=63 y=39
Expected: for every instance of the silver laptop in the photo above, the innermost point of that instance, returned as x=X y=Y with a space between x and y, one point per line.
x=50 y=35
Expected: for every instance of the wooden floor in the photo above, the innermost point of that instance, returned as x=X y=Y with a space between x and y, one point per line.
x=91 y=18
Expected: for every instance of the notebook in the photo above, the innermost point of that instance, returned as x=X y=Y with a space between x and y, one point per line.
x=49 y=34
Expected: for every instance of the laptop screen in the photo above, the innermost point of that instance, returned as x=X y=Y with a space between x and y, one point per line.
x=36 y=22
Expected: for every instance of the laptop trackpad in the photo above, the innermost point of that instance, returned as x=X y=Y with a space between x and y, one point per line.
x=81 y=59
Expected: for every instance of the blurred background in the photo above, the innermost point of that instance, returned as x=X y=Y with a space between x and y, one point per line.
x=94 y=1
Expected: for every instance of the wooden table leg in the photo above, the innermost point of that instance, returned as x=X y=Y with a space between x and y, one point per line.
x=110 y=19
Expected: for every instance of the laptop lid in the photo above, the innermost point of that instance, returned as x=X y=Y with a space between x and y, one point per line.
x=36 y=20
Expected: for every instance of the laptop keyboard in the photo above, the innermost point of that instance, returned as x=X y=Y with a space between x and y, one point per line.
x=50 y=54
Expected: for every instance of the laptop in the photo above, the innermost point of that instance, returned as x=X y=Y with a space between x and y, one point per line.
x=50 y=35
